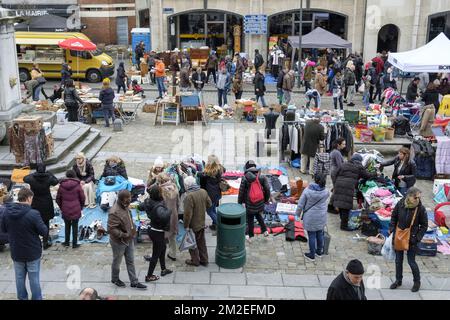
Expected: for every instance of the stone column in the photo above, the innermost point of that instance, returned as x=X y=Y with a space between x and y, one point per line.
x=10 y=95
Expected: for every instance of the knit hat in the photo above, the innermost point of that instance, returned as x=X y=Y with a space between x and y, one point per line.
x=159 y=163
x=250 y=164
x=355 y=267
x=357 y=157
x=189 y=182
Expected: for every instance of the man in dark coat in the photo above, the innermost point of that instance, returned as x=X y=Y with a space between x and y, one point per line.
x=313 y=134
x=259 y=60
x=349 y=284
x=412 y=93
x=139 y=53
x=260 y=88
x=24 y=225
x=344 y=189
x=121 y=78
x=405 y=211
x=40 y=183
x=254 y=210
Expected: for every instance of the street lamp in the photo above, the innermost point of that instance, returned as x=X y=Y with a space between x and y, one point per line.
x=300 y=34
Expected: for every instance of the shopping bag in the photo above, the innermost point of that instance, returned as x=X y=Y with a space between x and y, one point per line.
x=18 y=174
x=388 y=251
x=326 y=241
x=362 y=88
x=188 y=241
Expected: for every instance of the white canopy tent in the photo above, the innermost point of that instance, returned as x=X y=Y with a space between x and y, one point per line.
x=434 y=57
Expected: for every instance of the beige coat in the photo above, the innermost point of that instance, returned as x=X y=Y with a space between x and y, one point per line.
x=172 y=201
x=428 y=115
x=321 y=83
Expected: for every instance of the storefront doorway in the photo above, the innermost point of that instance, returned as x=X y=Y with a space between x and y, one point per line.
x=287 y=23
x=388 y=38
x=205 y=28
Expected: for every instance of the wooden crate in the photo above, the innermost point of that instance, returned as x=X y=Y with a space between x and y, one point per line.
x=149 y=108
x=29 y=123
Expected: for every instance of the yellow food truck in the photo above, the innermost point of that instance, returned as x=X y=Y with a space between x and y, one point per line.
x=42 y=48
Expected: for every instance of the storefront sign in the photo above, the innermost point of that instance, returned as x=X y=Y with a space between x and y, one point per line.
x=31 y=13
x=168 y=10
x=255 y=24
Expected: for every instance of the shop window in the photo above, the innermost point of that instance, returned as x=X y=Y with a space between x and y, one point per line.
x=307 y=16
x=193 y=23
x=388 y=38
x=281 y=24
x=215 y=16
x=81 y=54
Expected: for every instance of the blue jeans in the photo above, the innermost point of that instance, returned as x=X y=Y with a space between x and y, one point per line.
x=315 y=241
x=37 y=92
x=108 y=112
x=212 y=212
x=200 y=95
x=21 y=270
x=222 y=95
x=161 y=87
x=263 y=101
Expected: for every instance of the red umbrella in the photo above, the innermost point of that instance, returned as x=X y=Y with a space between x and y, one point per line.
x=77 y=44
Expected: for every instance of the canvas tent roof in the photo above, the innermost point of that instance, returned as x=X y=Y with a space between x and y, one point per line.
x=433 y=57
x=48 y=22
x=321 y=38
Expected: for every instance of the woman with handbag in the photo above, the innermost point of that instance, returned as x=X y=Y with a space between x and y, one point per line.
x=409 y=222
x=404 y=174
x=160 y=217
x=313 y=206
x=210 y=180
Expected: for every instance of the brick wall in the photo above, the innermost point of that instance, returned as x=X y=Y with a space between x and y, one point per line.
x=104 y=29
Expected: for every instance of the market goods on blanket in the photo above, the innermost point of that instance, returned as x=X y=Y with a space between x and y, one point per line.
x=442 y=214
x=286 y=208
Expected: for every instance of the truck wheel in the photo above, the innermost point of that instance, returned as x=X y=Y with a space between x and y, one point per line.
x=93 y=76
x=24 y=75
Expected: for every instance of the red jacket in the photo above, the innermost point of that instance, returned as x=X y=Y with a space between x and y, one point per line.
x=70 y=198
x=380 y=64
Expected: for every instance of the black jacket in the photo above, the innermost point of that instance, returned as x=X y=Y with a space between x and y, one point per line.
x=3 y=235
x=107 y=97
x=199 y=77
x=90 y=175
x=259 y=60
x=158 y=213
x=250 y=176
x=121 y=75
x=313 y=134
x=401 y=217
x=346 y=181
x=411 y=94
x=340 y=289
x=211 y=185
x=408 y=170
x=431 y=97
x=40 y=184
x=23 y=225
x=71 y=96
x=259 y=84
x=118 y=170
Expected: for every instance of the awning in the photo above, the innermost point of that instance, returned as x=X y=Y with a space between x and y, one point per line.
x=320 y=38
x=49 y=23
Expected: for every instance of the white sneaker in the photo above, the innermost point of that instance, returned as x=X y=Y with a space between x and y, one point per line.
x=266 y=233
x=248 y=239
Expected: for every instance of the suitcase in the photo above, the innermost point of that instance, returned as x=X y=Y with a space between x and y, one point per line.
x=427 y=249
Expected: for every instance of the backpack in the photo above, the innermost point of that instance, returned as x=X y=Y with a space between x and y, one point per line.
x=255 y=194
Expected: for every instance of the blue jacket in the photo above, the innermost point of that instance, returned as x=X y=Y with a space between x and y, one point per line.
x=107 y=97
x=315 y=201
x=23 y=225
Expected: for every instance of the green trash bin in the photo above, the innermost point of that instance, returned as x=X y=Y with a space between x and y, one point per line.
x=231 y=224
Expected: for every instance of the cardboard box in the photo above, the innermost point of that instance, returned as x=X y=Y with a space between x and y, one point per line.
x=149 y=108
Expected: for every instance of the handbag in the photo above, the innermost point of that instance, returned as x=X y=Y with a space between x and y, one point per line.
x=18 y=174
x=401 y=240
x=362 y=88
x=375 y=244
x=41 y=80
x=110 y=181
x=223 y=185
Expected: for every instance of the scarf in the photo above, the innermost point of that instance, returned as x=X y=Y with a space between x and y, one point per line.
x=411 y=204
x=193 y=188
x=355 y=287
x=82 y=168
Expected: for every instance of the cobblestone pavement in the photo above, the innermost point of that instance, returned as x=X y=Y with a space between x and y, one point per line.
x=275 y=269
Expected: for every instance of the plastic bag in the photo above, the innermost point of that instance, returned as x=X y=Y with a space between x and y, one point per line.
x=388 y=251
x=188 y=241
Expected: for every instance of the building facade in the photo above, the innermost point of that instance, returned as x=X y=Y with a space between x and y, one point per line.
x=371 y=25
x=108 y=21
